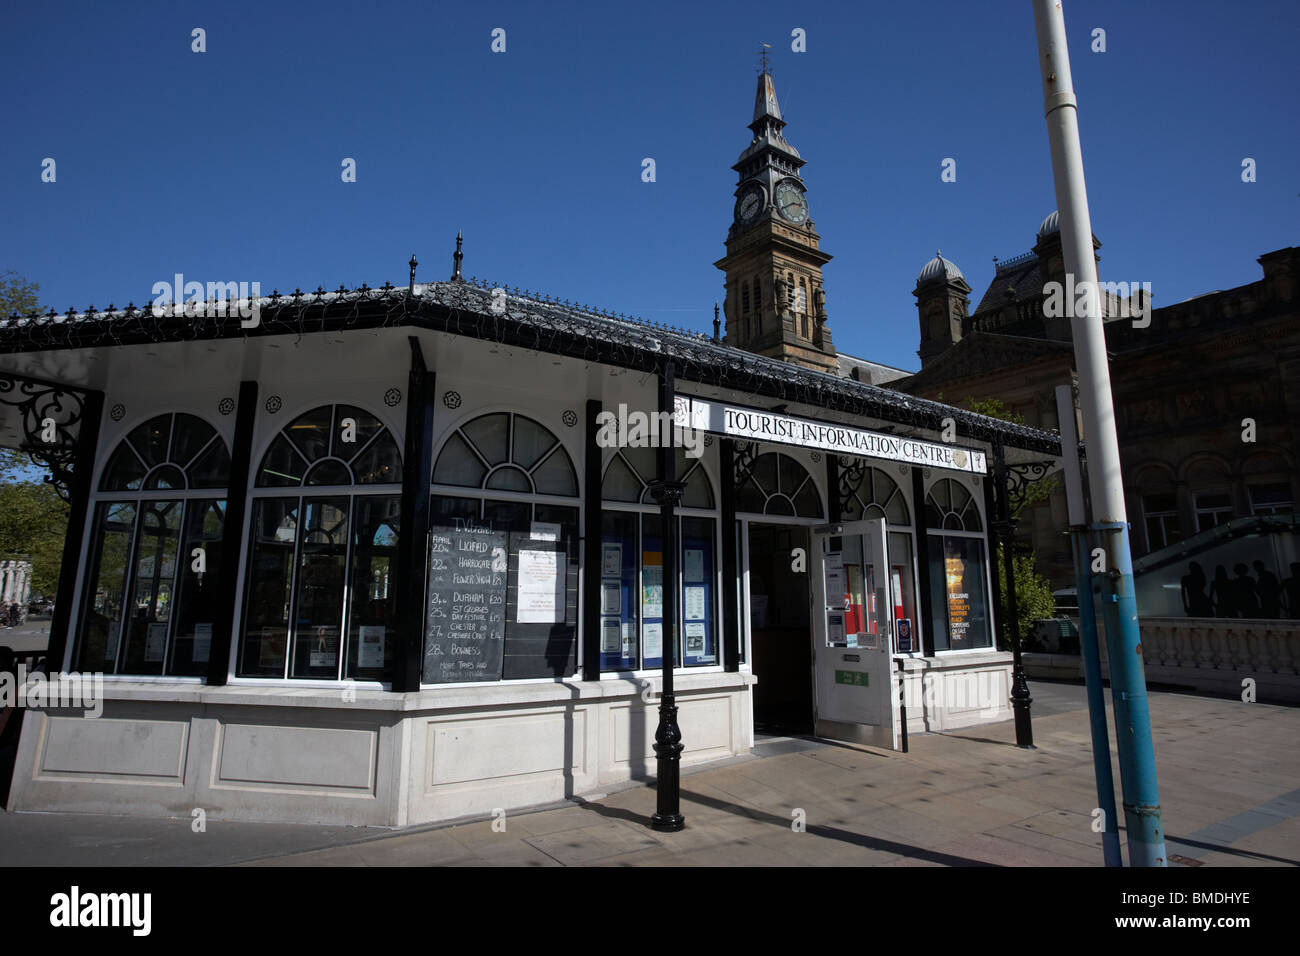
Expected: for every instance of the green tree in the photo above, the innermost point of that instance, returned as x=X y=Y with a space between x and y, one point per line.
x=33 y=520
x=17 y=295
x=1034 y=598
x=32 y=517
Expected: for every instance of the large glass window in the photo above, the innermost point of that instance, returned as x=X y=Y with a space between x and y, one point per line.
x=1160 y=515
x=320 y=603
x=1273 y=499
x=958 y=569
x=632 y=584
x=1212 y=510
x=156 y=556
x=503 y=577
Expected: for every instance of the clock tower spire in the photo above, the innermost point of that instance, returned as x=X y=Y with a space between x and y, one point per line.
x=775 y=304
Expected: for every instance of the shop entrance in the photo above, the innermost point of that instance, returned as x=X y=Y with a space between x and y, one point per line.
x=780 y=629
x=856 y=627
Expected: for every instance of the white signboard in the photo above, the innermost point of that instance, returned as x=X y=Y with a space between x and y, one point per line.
x=370 y=652
x=693 y=603
x=541 y=587
x=652 y=640
x=764 y=426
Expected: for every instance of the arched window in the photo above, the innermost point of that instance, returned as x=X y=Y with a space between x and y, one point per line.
x=332 y=445
x=949 y=506
x=156 y=555
x=510 y=476
x=776 y=484
x=870 y=493
x=320 y=597
x=506 y=452
x=632 y=547
x=960 y=618
x=630 y=471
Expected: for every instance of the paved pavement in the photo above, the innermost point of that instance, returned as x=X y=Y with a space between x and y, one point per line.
x=1229 y=774
x=31 y=635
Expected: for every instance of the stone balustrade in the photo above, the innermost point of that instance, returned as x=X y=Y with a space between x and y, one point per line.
x=1213 y=655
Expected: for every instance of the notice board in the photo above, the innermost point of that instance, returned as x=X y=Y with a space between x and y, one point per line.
x=466 y=623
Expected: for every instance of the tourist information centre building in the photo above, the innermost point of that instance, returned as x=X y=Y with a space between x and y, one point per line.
x=367 y=559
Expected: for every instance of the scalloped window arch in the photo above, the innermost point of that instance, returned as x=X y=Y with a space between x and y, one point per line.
x=332 y=445
x=505 y=451
x=951 y=507
x=168 y=452
x=776 y=484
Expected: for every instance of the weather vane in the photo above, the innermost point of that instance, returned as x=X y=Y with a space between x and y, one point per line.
x=763 y=53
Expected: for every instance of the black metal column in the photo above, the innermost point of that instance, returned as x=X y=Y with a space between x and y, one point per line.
x=667 y=492
x=1020 y=699
x=412 y=548
x=78 y=506
x=591 y=548
x=730 y=558
x=924 y=635
x=833 y=511
x=232 y=536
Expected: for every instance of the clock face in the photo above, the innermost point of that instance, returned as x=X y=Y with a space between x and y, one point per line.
x=749 y=205
x=790 y=202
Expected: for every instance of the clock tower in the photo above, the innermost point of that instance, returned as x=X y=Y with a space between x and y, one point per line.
x=774 y=301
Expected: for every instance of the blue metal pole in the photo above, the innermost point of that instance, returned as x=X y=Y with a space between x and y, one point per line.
x=1128 y=694
x=1096 y=697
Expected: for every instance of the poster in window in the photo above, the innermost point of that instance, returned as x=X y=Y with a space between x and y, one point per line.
x=652 y=586
x=324 y=646
x=612 y=566
x=693 y=565
x=958 y=595
x=156 y=641
x=693 y=603
x=629 y=642
x=202 y=643
x=611 y=598
x=370 y=650
x=653 y=637
x=695 y=638
x=611 y=636
x=541 y=587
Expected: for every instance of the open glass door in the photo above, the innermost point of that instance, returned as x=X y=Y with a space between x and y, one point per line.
x=853 y=634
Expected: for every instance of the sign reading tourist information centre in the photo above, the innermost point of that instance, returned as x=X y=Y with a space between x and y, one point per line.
x=741 y=422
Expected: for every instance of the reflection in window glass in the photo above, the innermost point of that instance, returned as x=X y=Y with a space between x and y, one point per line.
x=145 y=637
x=371 y=620
x=197 y=607
x=321 y=585
x=270 y=584
x=106 y=601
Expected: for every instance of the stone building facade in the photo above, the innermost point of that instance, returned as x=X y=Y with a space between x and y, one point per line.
x=1206 y=391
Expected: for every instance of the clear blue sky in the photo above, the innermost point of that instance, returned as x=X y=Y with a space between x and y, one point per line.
x=226 y=165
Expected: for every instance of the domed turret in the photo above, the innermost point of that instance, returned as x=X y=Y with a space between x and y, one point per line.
x=939 y=268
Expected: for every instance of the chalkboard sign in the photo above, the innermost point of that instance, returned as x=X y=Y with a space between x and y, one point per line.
x=468 y=574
